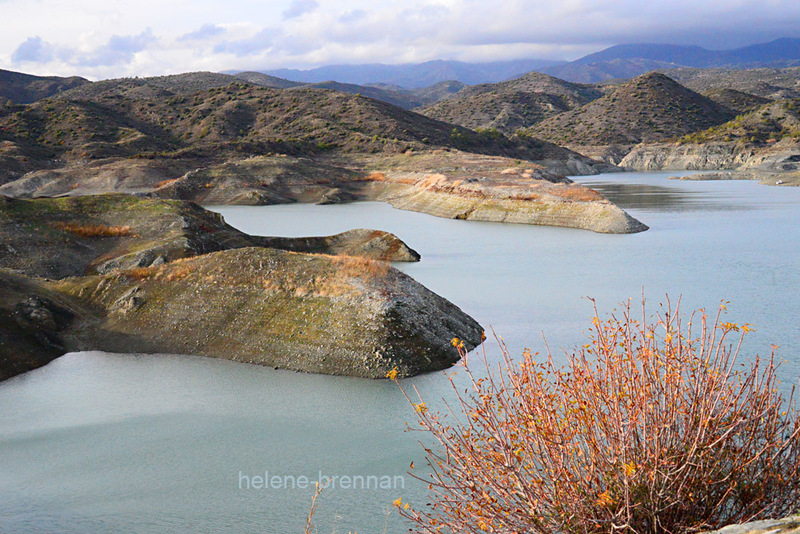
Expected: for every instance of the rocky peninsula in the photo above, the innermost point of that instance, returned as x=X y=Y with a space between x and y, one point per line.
x=122 y=273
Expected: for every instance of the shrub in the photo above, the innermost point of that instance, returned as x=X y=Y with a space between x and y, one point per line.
x=648 y=428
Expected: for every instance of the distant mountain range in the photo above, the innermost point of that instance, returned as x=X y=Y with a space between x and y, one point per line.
x=626 y=61
x=617 y=62
x=411 y=76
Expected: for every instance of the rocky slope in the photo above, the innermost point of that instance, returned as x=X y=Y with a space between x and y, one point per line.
x=308 y=304
x=737 y=101
x=333 y=315
x=763 y=144
x=711 y=156
x=538 y=193
x=37 y=324
x=491 y=190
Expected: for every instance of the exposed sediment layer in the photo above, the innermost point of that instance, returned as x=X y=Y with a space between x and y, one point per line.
x=491 y=188
x=177 y=279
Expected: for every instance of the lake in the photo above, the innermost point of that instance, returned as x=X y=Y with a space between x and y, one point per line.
x=98 y=442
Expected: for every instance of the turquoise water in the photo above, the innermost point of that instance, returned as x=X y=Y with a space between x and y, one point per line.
x=96 y=442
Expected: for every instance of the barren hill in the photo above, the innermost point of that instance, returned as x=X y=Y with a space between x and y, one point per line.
x=774 y=84
x=25 y=88
x=164 y=117
x=509 y=106
x=768 y=124
x=649 y=108
x=736 y=100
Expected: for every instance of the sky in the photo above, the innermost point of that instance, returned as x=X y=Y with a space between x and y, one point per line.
x=100 y=39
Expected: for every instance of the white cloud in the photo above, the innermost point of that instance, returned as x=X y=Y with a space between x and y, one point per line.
x=206 y=31
x=99 y=38
x=119 y=50
x=299 y=8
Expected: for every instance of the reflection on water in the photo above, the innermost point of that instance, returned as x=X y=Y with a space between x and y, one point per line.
x=96 y=442
x=660 y=194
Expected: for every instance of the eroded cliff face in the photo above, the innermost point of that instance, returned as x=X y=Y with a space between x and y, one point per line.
x=177 y=279
x=777 y=158
x=511 y=198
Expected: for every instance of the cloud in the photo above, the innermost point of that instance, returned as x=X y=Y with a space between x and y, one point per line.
x=260 y=42
x=205 y=32
x=300 y=8
x=35 y=50
x=119 y=50
x=353 y=16
x=53 y=36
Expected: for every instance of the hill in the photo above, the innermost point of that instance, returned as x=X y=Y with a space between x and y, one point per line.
x=628 y=60
x=509 y=106
x=614 y=69
x=149 y=88
x=392 y=94
x=735 y=100
x=246 y=144
x=416 y=75
x=649 y=108
x=265 y=80
x=166 y=117
x=22 y=88
x=768 y=124
x=774 y=84
x=400 y=98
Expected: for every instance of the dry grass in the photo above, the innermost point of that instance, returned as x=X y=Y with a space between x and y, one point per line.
x=376 y=177
x=164 y=183
x=178 y=273
x=168 y=273
x=577 y=193
x=140 y=273
x=355 y=266
x=95 y=230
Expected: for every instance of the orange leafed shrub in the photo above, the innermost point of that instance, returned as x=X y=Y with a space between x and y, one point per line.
x=95 y=230
x=649 y=428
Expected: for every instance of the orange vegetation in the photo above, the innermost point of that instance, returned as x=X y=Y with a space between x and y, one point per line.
x=577 y=193
x=653 y=426
x=95 y=230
